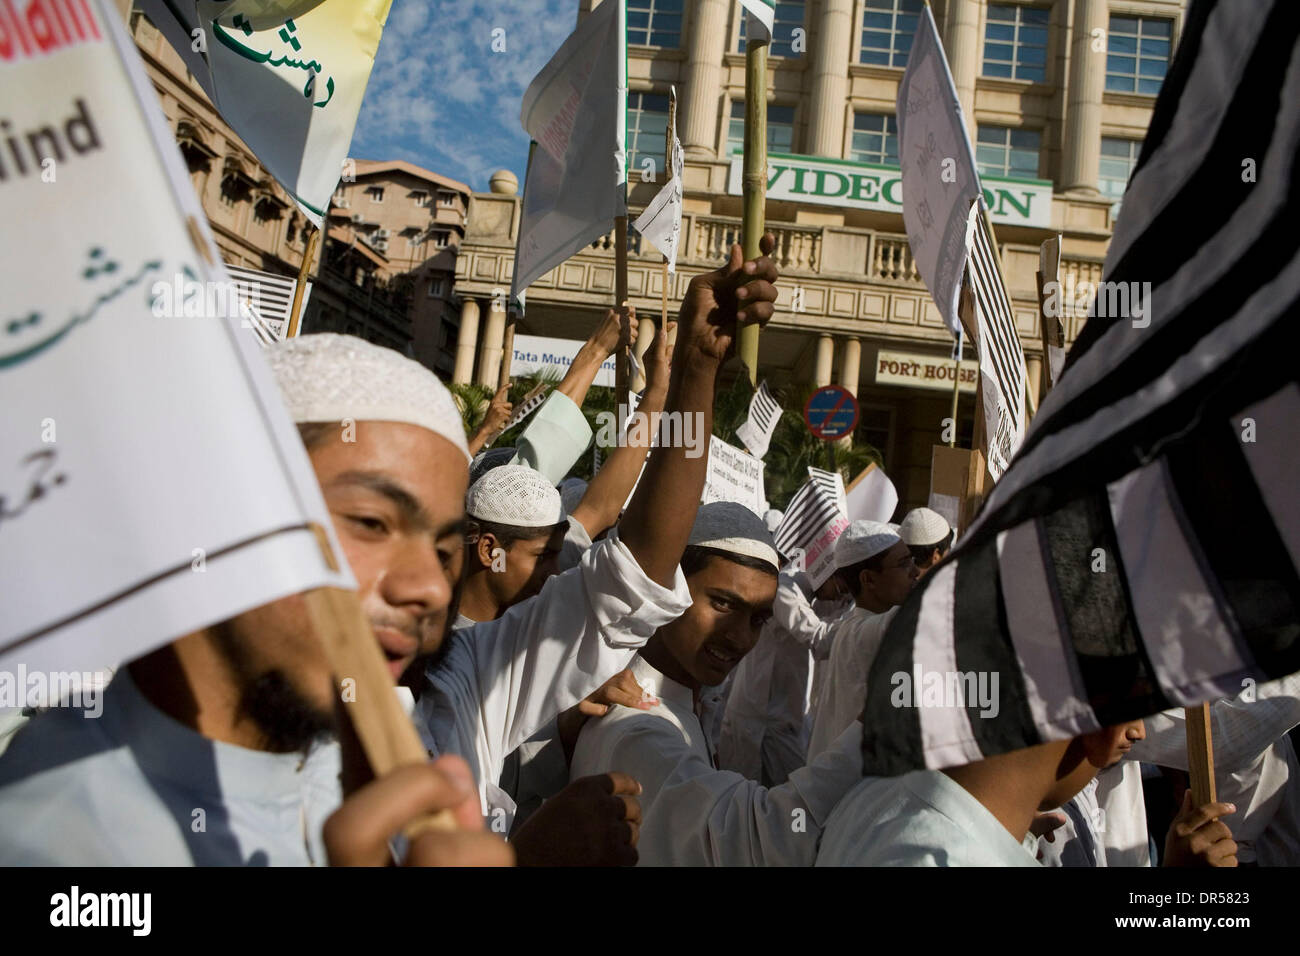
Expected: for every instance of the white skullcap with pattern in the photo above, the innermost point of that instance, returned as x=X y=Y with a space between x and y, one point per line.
x=773 y=519
x=515 y=495
x=862 y=540
x=326 y=377
x=923 y=527
x=730 y=526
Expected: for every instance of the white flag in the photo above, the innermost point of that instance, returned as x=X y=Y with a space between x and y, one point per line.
x=575 y=112
x=872 y=496
x=287 y=75
x=940 y=180
x=151 y=482
x=762 y=14
x=661 y=222
x=764 y=414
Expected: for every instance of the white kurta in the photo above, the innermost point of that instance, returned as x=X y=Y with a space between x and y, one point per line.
x=696 y=815
x=923 y=818
x=135 y=788
x=1079 y=841
x=1254 y=762
x=1124 y=816
x=501 y=681
x=767 y=724
x=855 y=639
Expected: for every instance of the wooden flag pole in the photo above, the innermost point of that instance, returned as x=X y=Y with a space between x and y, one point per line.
x=365 y=685
x=755 y=180
x=309 y=255
x=622 y=370
x=1200 y=754
x=507 y=351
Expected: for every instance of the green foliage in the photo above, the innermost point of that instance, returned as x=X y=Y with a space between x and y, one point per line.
x=473 y=400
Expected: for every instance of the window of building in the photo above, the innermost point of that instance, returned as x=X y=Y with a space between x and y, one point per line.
x=1003 y=151
x=340 y=198
x=789 y=17
x=654 y=23
x=876 y=428
x=437 y=287
x=1137 y=54
x=441 y=238
x=780 y=128
x=875 y=139
x=376 y=193
x=445 y=198
x=1015 y=42
x=647 y=121
x=887 y=30
x=1118 y=157
x=421 y=198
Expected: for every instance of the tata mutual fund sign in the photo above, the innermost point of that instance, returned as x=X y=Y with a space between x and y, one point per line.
x=837 y=182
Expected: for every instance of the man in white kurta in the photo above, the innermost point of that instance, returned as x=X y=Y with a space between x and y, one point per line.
x=692 y=813
x=768 y=719
x=498 y=682
x=922 y=818
x=877 y=568
x=136 y=788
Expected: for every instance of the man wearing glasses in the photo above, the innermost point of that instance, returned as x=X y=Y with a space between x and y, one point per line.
x=876 y=567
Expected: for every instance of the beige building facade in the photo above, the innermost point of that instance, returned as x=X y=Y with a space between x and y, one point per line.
x=394 y=230
x=385 y=266
x=1057 y=94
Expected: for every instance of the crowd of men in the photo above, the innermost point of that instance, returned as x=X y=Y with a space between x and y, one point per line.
x=598 y=680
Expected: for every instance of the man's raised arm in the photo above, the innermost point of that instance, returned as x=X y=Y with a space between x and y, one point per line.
x=659 y=519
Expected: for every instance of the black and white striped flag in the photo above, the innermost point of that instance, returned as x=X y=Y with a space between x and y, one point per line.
x=764 y=413
x=1002 y=360
x=816 y=515
x=1141 y=552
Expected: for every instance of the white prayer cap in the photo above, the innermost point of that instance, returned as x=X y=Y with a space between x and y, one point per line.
x=924 y=527
x=730 y=526
x=515 y=495
x=486 y=461
x=325 y=377
x=571 y=492
x=773 y=519
x=862 y=540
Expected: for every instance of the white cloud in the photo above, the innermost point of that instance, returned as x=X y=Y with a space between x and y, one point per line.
x=441 y=97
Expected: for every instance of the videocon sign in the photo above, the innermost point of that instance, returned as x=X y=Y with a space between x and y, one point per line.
x=837 y=182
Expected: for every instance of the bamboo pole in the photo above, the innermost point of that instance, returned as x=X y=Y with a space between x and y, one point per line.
x=365 y=685
x=622 y=370
x=309 y=255
x=755 y=180
x=668 y=172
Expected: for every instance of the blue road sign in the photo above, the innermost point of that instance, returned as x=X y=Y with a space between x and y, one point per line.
x=831 y=412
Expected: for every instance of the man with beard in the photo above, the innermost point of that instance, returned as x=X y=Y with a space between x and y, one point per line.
x=201 y=753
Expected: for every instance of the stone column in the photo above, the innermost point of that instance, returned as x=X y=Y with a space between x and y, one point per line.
x=1033 y=377
x=489 y=362
x=707 y=30
x=961 y=41
x=466 y=343
x=830 y=88
x=1081 y=155
x=825 y=356
x=851 y=364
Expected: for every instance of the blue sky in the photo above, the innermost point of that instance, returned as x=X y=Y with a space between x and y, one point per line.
x=441 y=98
